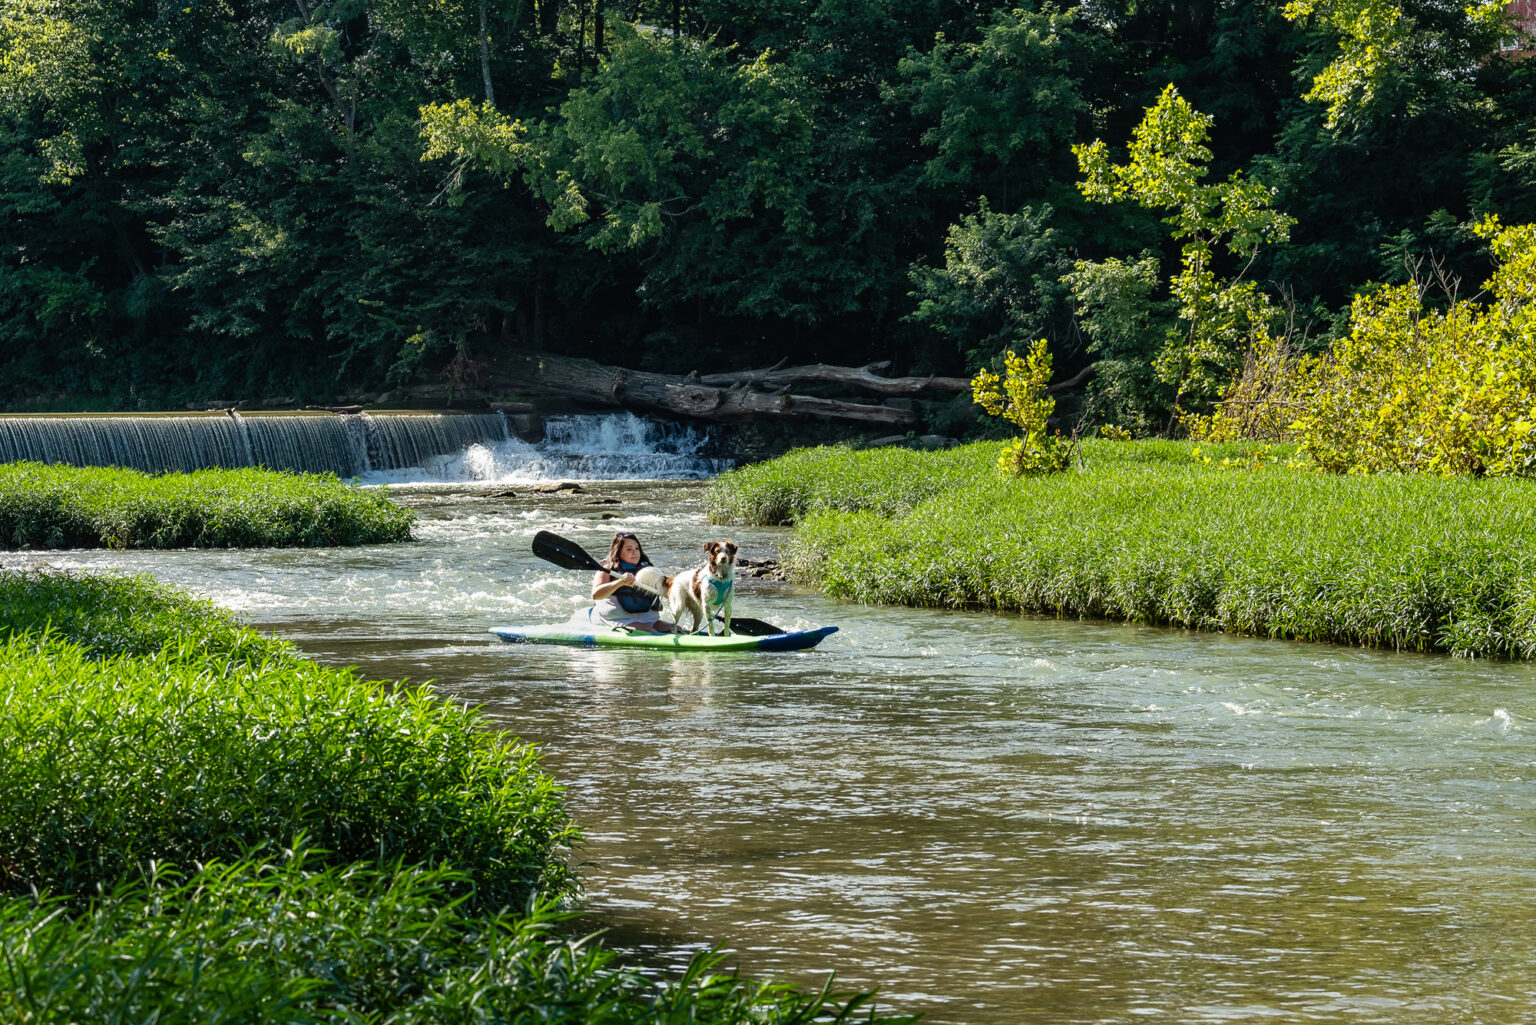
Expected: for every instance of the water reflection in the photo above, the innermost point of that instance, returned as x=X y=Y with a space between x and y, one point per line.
x=994 y=819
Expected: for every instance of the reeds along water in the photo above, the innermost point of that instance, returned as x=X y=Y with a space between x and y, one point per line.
x=348 y=445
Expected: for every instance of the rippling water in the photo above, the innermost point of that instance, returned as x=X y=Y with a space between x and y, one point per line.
x=994 y=819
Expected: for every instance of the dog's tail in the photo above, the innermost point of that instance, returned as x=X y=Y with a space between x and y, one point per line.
x=649 y=578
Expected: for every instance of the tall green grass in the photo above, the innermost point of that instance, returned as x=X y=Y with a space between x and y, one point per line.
x=52 y=506
x=185 y=756
x=282 y=942
x=1146 y=533
x=118 y=615
x=197 y=825
x=888 y=481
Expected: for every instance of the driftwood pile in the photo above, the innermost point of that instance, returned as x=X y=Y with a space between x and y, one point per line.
x=733 y=397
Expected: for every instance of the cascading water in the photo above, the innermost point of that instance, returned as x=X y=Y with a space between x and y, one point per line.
x=607 y=446
x=375 y=448
x=348 y=445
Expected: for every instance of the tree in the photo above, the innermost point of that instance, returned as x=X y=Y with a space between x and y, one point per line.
x=1002 y=110
x=999 y=283
x=1167 y=167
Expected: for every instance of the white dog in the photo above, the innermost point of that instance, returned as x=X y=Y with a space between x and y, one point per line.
x=703 y=590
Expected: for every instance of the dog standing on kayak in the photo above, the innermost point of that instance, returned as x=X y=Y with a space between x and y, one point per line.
x=702 y=591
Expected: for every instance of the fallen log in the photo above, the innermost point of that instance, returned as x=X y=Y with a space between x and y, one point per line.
x=595 y=383
x=857 y=377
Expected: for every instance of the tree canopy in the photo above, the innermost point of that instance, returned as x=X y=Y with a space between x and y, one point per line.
x=246 y=198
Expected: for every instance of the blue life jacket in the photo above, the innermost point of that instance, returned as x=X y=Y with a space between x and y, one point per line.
x=632 y=599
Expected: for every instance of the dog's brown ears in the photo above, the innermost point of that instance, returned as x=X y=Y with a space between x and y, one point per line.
x=730 y=548
x=715 y=546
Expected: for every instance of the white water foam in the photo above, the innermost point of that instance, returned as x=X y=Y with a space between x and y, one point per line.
x=619 y=446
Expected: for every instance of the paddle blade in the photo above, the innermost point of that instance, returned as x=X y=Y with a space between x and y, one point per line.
x=562 y=552
x=753 y=627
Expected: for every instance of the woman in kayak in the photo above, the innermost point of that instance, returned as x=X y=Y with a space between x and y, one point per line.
x=618 y=602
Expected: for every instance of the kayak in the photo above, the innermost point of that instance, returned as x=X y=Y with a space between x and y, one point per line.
x=582 y=635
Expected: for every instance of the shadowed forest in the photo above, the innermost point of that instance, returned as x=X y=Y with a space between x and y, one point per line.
x=244 y=198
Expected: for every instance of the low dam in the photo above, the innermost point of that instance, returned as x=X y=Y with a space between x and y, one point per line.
x=348 y=445
x=371 y=447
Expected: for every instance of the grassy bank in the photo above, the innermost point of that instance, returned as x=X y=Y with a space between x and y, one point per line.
x=1148 y=532
x=52 y=506
x=199 y=825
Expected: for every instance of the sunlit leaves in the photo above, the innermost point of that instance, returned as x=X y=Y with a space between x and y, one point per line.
x=1415 y=388
x=1019 y=396
x=48 y=64
x=1377 y=38
x=1169 y=158
x=477 y=133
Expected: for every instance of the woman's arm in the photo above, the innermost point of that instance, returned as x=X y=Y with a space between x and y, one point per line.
x=604 y=584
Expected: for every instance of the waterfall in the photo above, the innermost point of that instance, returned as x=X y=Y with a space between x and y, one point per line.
x=348 y=445
x=598 y=446
x=372 y=447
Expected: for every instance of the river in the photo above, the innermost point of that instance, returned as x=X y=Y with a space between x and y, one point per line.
x=994 y=819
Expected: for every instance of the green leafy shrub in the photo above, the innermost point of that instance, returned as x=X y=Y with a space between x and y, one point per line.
x=885 y=480
x=1222 y=319
x=1019 y=396
x=116 y=615
x=1447 y=392
x=354 y=851
x=54 y=506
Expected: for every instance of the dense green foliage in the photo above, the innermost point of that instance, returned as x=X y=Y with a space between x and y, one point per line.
x=57 y=506
x=114 y=615
x=228 y=198
x=285 y=942
x=1146 y=533
x=201 y=826
x=1419 y=389
x=886 y=481
x=213 y=746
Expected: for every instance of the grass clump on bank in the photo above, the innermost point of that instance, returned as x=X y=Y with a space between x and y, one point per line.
x=54 y=506
x=116 y=615
x=1151 y=533
x=173 y=734
x=283 y=942
x=199 y=825
x=887 y=481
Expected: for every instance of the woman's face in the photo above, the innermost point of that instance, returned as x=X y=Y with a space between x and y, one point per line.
x=629 y=550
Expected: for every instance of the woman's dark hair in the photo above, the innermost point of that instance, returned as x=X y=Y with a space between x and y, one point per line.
x=612 y=562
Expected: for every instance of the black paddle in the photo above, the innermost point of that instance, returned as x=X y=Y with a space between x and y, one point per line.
x=567 y=554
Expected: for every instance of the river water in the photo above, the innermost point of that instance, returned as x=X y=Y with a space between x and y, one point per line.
x=993 y=819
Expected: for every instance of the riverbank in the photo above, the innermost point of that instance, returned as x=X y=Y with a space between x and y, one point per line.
x=269 y=840
x=56 y=506
x=1213 y=538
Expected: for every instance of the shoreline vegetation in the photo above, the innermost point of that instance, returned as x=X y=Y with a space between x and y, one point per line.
x=199 y=824
x=1221 y=537
x=57 y=506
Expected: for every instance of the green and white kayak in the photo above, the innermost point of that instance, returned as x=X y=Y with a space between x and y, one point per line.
x=584 y=635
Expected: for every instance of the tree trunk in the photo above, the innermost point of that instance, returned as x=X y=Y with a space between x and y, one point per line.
x=549 y=17
x=485 y=54
x=599 y=384
x=858 y=377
